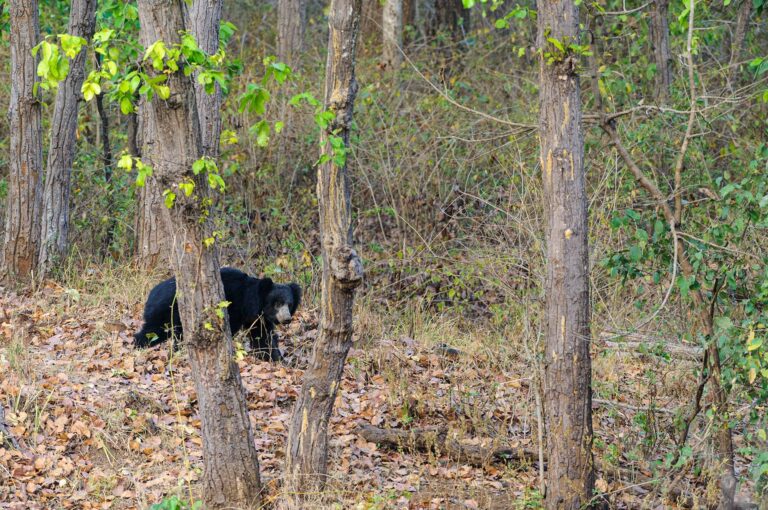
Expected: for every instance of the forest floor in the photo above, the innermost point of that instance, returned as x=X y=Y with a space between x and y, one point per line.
x=101 y=425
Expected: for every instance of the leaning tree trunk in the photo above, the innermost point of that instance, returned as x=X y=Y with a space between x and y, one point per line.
x=55 y=217
x=291 y=23
x=567 y=392
x=19 y=252
x=307 y=450
x=659 y=28
x=392 y=30
x=231 y=475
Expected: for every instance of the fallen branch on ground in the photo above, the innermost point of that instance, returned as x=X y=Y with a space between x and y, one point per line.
x=435 y=440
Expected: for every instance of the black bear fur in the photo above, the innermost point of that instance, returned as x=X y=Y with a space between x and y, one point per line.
x=255 y=306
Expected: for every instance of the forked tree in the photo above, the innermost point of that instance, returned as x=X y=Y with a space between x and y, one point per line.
x=19 y=251
x=231 y=469
x=55 y=213
x=567 y=374
x=307 y=450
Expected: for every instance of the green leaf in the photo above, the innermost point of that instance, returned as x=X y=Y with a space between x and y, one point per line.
x=170 y=198
x=90 y=90
x=125 y=162
x=557 y=44
x=126 y=106
x=187 y=187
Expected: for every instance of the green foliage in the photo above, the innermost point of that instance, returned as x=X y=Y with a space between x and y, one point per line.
x=559 y=51
x=174 y=503
x=256 y=97
x=53 y=67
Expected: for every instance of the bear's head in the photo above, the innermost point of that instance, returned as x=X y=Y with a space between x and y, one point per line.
x=280 y=301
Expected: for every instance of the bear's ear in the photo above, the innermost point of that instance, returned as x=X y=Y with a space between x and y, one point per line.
x=296 y=291
x=265 y=286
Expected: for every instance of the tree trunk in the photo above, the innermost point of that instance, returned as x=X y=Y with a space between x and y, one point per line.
x=231 y=474
x=205 y=18
x=392 y=31
x=106 y=146
x=55 y=217
x=567 y=392
x=291 y=23
x=152 y=242
x=307 y=449
x=737 y=40
x=450 y=16
x=659 y=29
x=19 y=252
x=134 y=143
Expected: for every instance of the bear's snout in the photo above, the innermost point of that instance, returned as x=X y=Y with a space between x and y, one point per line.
x=283 y=315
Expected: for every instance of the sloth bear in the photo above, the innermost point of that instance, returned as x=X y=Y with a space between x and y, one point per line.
x=257 y=305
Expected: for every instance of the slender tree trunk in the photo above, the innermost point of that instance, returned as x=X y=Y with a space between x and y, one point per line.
x=450 y=16
x=392 y=30
x=291 y=23
x=659 y=28
x=737 y=41
x=106 y=146
x=568 y=398
x=231 y=475
x=55 y=217
x=19 y=252
x=370 y=25
x=307 y=449
x=134 y=143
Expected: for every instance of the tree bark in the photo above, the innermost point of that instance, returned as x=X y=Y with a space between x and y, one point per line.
x=450 y=16
x=106 y=146
x=55 y=217
x=567 y=392
x=205 y=18
x=659 y=28
x=152 y=241
x=231 y=475
x=392 y=30
x=291 y=23
x=19 y=253
x=307 y=449
x=737 y=40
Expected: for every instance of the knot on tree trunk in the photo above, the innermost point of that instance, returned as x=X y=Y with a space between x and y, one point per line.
x=346 y=267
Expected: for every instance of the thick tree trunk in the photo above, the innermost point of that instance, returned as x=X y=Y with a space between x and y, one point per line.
x=231 y=475
x=152 y=242
x=19 y=252
x=659 y=28
x=205 y=17
x=392 y=31
x=291 y=23
x=307 y=449
x=55 y=217
x=567 y=392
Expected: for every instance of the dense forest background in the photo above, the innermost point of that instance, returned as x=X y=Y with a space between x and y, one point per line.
x=448 y=219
